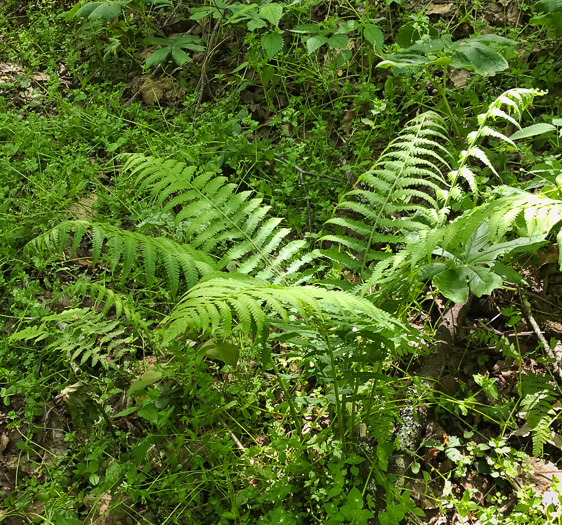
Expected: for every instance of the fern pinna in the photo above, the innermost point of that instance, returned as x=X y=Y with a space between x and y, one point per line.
x=400 y=193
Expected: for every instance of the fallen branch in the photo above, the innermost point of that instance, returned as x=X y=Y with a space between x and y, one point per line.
x=555 y=354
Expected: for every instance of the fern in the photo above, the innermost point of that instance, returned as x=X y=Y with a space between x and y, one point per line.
x=219 y=303
x=506 y=208
x=100 y=296
x=80 y=334
x=538 y=396
x=217 y=220
x=123 y=246
x=408 y=174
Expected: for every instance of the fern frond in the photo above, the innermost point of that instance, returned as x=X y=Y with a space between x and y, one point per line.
x=216 y=219
x=123 y=246
x=81 y=335
x=100 y=296
x=215 y=303
x=409 y=171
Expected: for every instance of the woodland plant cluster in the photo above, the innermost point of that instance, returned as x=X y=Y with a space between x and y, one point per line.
x=232 y=235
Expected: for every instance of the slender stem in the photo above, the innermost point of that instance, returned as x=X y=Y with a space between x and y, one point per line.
x=337 y=391
x=442 y=93
x=287 y=394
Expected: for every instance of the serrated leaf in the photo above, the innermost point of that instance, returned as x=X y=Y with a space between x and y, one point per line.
x=272 y=43
x=374 y=35
x=338 y=41
x=315 y=42
x=272 y=13
x=531 y=131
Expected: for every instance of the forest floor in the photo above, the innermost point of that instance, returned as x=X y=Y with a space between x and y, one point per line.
x=107 y=420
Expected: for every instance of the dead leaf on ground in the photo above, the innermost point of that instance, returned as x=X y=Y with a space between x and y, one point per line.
x=460 y=77
x=40 y=77
x=83 y=210
x=440 y=9
x=152 y=90
x=10 y=68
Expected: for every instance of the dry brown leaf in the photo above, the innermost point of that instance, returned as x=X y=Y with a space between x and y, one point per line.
x=152 y=90
x=10 y=68
x=459 y=77
x=4 y=441
x=40 y=77
x=440 y=9
x=83 y=209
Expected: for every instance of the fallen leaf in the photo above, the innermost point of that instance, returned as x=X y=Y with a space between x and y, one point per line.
x=439 y=9
x=83 y=209
x=152 y=90
x=40 y=76
x=459 y=77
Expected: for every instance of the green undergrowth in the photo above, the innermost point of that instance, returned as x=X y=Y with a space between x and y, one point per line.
x=210 y=311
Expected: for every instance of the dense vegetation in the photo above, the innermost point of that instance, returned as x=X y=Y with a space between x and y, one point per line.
x=269 y=262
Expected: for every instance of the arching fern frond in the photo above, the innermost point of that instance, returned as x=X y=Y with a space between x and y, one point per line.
x=217 y=219
x=400 y=193
x=223 y=303
x=124 y=246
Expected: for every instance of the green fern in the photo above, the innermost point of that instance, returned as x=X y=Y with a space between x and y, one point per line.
x=217 y=220
x=538 y=396
x=80 y=335
x=123 y=247
x=223 y=304
x=401 y=194
x=506 y=209
x=100 y=296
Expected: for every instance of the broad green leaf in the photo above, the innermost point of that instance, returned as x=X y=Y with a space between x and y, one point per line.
x=126 y=412
x=484 y=60
x=149 y=412
x=314 y=43
x=221 y=350
x=493 y=38
x=256 y=23
x=531 y=131
x=346 y=27
x=104 y=10
x=551 y=6
x=306 y=29
x=338 y=41
x=452 y=284
x=148 y=378
x=482 y=281
x=158 y=57
x=374 y=35
x=272 y=43
x=69 y=15
x=180 y=57
x=409 y=34
x=272 y=13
